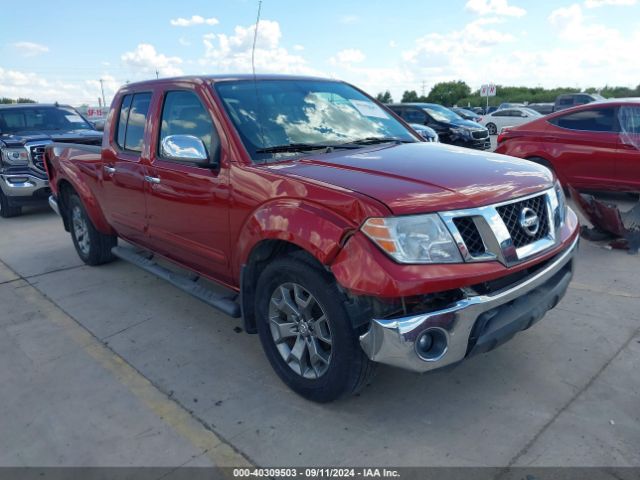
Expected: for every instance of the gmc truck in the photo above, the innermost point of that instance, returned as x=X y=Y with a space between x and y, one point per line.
x=338 y=236
x=25 y=130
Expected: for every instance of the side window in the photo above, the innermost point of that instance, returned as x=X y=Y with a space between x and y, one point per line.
x=131 y=122
x=565 y=101
x=413 y=115
x=502 y=113
x=183 y=114
x=122 y=120
x=594 y=120
x=134 y=137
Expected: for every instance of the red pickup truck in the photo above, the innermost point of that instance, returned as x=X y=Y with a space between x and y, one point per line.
x=340 y=237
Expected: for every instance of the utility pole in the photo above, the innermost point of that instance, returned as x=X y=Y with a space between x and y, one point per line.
x=157 y=73
x=102 y=89
x=424 y=87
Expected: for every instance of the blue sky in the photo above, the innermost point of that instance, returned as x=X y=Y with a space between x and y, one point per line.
x=60 y=53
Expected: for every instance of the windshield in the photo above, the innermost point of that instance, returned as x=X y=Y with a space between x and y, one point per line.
x=442 y=114
x=304 y=114
x=15 y=120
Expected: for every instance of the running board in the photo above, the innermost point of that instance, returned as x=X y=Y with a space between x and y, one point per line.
x=223 y=303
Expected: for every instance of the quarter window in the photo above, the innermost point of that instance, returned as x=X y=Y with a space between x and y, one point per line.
x=183 y=114
x=593 y=120
x=134 y=137
x=132 y=120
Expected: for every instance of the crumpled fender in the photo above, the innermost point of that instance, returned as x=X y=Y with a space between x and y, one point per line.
x=310 y=226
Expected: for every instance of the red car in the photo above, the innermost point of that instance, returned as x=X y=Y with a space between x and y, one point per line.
x=594 y=146
x=341 y=237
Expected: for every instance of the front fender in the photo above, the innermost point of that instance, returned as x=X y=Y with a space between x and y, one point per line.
x=310 y=226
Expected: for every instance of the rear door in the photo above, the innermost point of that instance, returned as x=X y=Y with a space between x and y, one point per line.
x=628 y=165
x=582 y=146
x=123 y=168
x=187 y=204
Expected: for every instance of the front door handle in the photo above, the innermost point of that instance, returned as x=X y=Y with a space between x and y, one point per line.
x=152 y=180
x=109 y=170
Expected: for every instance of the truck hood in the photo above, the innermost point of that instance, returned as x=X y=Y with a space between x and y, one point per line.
x=89 y=137
x=423 y=177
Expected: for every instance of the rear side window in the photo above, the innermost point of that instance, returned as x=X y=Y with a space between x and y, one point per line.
x=593 y=120
x=122 y=121
x=133 y=117
x=183 y=114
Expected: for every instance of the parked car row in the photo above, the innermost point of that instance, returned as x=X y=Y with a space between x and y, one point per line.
x=450 y=127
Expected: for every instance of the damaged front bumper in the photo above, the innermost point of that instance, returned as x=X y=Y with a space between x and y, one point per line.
x=473 y=325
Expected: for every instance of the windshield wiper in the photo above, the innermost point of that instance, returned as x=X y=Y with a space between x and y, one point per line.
x=375 y=141
x=302 y=147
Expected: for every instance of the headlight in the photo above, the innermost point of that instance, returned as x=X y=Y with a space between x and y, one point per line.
x=413 y=239
x=463 y=132
x=15 y=156
x=561 y=211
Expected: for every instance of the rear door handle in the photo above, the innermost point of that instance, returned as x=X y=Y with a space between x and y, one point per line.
x=152 y=180
x=109 y=170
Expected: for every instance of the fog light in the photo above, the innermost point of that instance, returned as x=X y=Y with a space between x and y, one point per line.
x=18 y=179
x=431 y=345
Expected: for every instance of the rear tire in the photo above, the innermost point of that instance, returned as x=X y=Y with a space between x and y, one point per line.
x=5 y=210
x=93 y=247
x=306 y=332
x=493 y=130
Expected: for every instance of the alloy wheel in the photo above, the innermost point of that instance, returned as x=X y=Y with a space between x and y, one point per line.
x=300 y=330
x=80 y=230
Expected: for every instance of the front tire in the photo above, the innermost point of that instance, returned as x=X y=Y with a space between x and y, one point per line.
x=5 y=210
x=493 y=130
x=306 y=332
x=93 y=247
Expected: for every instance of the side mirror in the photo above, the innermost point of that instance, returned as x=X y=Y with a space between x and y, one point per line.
x=184 y=148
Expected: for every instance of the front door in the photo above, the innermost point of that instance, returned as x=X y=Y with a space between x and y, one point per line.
x=187 y=205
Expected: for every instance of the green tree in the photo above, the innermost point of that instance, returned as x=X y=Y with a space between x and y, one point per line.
x=25 y=100
x=410 y=96
x=449 y=93
x=5 y=100
x=384 y=97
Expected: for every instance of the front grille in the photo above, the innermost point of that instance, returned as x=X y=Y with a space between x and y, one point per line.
x=478 y=134
x=510 y=214
x=37 y=156
x=470 y=235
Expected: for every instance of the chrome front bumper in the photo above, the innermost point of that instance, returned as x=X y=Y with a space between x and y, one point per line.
x=21 y=184
x=393 y=341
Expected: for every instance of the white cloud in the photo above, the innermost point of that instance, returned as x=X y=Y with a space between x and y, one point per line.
x=602 y=3
x=298 y=48
x=348 y=56
x=228 y=53
x=349 y=19
x=494 y=7
x=30 y=49
x=194 y=20
x=14 y=84
x=184 y=42
x=571 y=26
x=393 y=43
x=147 y=60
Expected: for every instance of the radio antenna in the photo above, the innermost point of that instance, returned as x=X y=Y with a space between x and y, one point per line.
x=255 y=38
x=253 y=68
